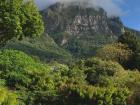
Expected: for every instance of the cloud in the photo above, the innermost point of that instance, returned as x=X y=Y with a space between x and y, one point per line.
x=112 y=7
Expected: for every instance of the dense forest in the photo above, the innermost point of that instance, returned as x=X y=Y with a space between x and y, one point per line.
x=111 y=76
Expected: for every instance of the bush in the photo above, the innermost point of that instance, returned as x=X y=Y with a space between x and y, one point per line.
x=90 y=95
x=104 y=73
x=115 y=52
x=21 y=71
x=7 y=97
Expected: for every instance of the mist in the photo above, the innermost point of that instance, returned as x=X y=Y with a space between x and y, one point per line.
x=112 y=7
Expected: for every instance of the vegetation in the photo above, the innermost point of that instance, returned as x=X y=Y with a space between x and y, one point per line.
x=19 y=19
x=7 y=97
x=43 y=48
x=133 y=42
x=31 y=74
x=117 y=52
x=41 y=83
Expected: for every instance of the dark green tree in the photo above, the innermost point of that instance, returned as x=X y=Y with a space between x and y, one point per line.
x=134 y=63
x=131 y=40
x=19 y=19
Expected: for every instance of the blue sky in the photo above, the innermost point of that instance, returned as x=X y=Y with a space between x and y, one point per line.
x=131 y=18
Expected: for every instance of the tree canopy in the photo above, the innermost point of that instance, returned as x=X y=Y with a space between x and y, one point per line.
x=131 y=40
x=19 y=19
x=117 y=52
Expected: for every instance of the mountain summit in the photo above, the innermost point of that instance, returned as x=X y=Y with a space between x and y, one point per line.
x=78 y=20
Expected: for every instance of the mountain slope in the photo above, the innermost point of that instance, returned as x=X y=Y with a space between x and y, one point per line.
x=43 y=48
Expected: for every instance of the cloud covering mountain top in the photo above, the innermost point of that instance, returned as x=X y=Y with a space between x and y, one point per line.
x=112 y=7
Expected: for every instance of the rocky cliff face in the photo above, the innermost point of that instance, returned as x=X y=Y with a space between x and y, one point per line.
x=77 y=20
x=85 y=24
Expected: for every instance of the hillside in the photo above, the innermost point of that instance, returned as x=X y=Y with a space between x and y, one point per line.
x=43 y=48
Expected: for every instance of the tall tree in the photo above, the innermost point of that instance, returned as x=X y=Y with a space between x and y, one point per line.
x=19 y=19
x=131 y=40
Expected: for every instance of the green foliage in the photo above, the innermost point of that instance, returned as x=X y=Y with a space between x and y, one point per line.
x=90 y=81
x=89 y=95
x=131 y=40
x=43 y=48
x=135 y=61
x=99 y=80
x=7 y=97
x=103 y=73
x=115 y=52
x=86 y=45
x=19 y=19
x=21 y=71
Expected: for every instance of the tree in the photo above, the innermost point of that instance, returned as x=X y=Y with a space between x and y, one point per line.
x=134 y=63
x=131 y=40
x=19 y=19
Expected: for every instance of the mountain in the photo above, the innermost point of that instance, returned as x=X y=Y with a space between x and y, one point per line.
x=79 y=29
x=77 y=20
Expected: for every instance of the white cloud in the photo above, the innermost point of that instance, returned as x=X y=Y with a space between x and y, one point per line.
x=110 y=6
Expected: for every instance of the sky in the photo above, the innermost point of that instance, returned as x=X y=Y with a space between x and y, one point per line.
x=127 y=10
x=132 y=16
